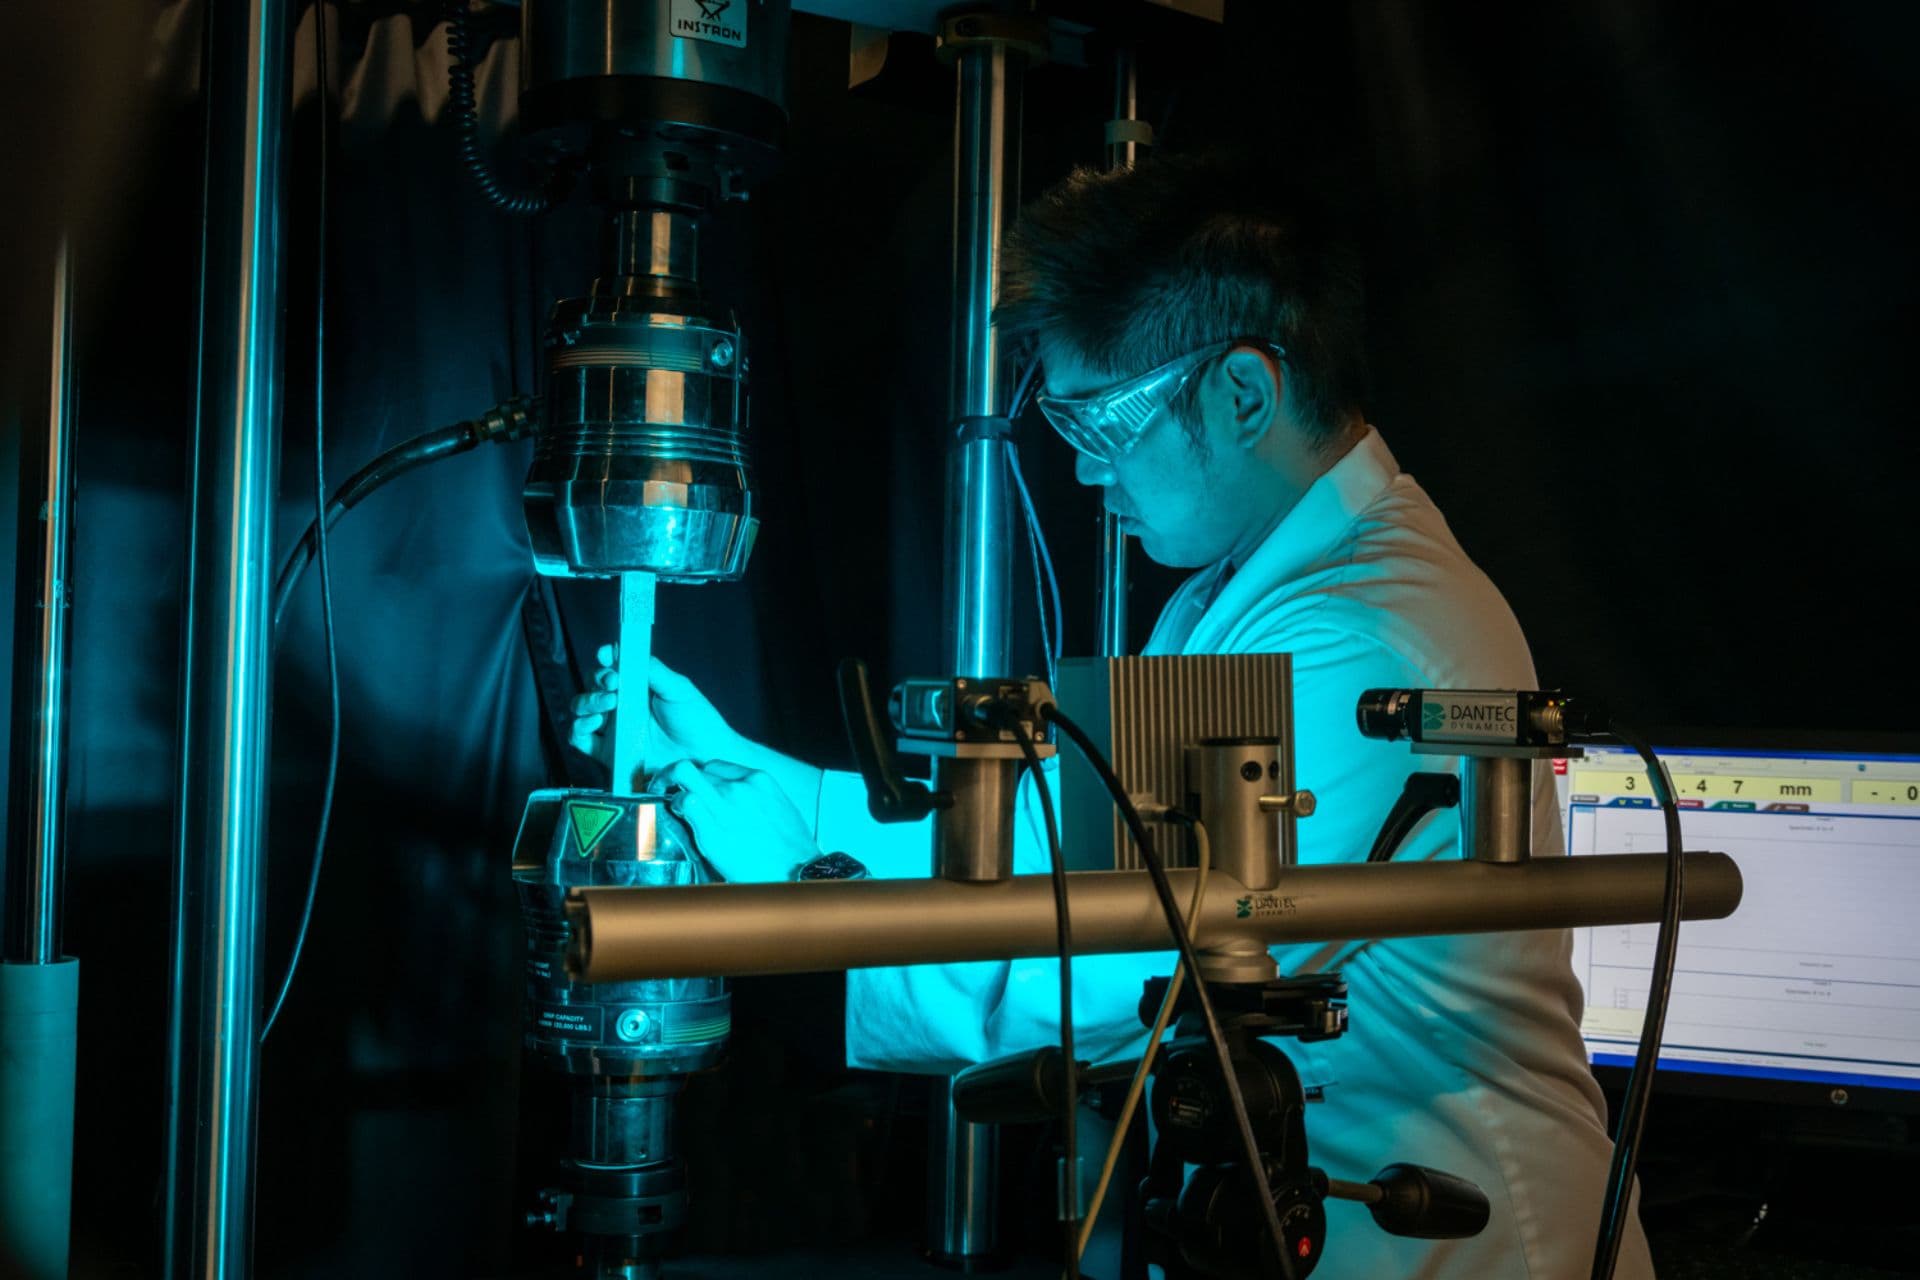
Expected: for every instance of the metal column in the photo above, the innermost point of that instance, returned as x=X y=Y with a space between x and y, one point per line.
x=214 y=1026
x=37 y=809
x=979 y=536
x=40 y=988
x=990 y=52
x=1126 y=136
x=1496 y=808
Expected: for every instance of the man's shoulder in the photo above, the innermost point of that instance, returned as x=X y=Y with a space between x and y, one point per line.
x=1398 y=589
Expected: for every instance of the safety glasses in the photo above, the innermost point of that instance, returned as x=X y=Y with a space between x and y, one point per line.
x=1106 y=425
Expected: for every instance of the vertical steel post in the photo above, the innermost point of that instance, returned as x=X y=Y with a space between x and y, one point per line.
x=40 y=988
x=979 y=542
x=214 y=1022
x=37 y=810
x=1496 y=808
x=990 y=53
x=1125 y=138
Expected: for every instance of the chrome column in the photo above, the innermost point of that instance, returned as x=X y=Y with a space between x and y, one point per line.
x=990 y=53
x=979 y=538
x=40 y=988
x=214 y=1025
x=37 y=839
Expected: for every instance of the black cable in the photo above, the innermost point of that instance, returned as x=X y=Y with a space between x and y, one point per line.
x=395 y=462
x=1046 y=584
x=320 y=522
x=1422 y=795
x=1157 y=872
x=1617 y=1208
x=464 y=109
x=1070 y=1105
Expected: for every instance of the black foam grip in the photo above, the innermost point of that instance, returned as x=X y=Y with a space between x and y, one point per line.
x=1427 y=1204
x=1024 y=1089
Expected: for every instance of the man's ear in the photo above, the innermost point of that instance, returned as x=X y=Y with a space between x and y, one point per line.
x=1247 y=383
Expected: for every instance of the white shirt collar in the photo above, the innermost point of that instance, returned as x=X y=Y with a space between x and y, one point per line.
x=1326 y=510
x=1302 y=537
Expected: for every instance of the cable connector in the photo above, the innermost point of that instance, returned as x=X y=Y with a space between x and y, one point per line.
x=1153 y=810
x=511 y=420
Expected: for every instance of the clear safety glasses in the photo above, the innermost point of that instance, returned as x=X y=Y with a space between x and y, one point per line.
x=1106 y=425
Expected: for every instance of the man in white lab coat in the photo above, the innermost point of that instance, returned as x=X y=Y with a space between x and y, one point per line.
x=1201 y=335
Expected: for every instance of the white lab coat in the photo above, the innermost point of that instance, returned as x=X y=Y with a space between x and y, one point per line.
x=1464 y=1054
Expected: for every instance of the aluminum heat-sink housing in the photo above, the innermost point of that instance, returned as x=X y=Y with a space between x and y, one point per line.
x=1144 y=713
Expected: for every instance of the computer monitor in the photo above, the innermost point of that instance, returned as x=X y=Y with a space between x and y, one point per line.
x=1811 y=990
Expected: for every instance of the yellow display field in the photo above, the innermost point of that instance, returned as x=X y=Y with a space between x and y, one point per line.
x=1886 y=791
x=1610 y=1021
x=1703 y=786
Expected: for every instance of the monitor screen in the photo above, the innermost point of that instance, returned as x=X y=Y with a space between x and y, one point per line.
x=1815 y=980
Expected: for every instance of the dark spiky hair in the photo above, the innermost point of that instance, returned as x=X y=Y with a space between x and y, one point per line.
x=1132 y=268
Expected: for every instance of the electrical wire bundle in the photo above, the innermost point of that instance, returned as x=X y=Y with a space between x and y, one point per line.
x=1069 y=1177
x=1183 y=939
x=1136 y=1087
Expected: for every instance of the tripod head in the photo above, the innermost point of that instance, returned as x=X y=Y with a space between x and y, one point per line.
x=1207 y=1223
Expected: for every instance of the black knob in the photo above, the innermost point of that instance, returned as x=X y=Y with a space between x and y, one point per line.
x=1023 y=1089
x=1427 y=1204
x=891 y=797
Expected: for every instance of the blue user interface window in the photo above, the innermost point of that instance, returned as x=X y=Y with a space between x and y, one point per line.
x=1816 y=977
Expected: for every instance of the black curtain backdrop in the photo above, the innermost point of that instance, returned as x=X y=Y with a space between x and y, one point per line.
x=1642 y=282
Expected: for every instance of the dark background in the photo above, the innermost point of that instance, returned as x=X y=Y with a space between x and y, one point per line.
x=1642 y=281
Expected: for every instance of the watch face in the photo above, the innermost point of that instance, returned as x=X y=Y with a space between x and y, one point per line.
x=834 y=866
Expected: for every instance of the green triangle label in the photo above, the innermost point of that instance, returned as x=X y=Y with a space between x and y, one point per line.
x=591 y=822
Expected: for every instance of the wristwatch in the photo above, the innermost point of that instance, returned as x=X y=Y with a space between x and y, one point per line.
x=831 y=866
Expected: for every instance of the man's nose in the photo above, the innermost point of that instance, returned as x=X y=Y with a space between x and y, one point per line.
x=1091 y=471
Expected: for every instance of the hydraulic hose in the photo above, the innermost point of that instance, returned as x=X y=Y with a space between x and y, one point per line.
x=510 y=421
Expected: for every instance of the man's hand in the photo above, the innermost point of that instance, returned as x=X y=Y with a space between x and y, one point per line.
x=591 y=709
x=745 y=826
x=686 y=725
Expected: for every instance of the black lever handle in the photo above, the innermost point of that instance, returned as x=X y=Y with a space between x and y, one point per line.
x=1027 y=1088
x=1423 y=794
x=1023 y=1089
x=891 y=796
x=1425 y=1204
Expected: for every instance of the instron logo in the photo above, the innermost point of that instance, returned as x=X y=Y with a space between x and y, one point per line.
x=715 y=21
x=1432 y=716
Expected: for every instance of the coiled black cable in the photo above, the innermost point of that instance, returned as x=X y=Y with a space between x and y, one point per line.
x=463 y=107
